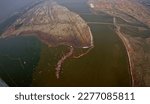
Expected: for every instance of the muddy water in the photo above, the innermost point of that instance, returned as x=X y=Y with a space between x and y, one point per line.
x=18 y=59
x=105 y=65
x=28 y=62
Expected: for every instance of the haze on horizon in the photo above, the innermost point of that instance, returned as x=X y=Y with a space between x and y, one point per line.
x=7 y=7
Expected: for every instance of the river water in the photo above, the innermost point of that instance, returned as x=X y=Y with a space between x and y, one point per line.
x=105 y=65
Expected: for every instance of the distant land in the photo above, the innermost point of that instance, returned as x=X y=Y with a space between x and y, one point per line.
x=136 y=37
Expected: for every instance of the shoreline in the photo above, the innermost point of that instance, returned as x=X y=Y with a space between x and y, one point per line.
x=128 y=49
x=122 y=36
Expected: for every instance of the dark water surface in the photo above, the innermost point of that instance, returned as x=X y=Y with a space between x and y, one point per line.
x=105 y=65
x=25 y=61
x=18 y=58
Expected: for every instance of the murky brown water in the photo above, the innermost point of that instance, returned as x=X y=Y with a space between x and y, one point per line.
x=105 y=65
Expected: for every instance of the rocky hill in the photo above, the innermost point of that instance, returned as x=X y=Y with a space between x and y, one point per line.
x=54 y=25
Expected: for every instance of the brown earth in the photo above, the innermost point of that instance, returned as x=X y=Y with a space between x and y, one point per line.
x=54 y=25
x=136 y=42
